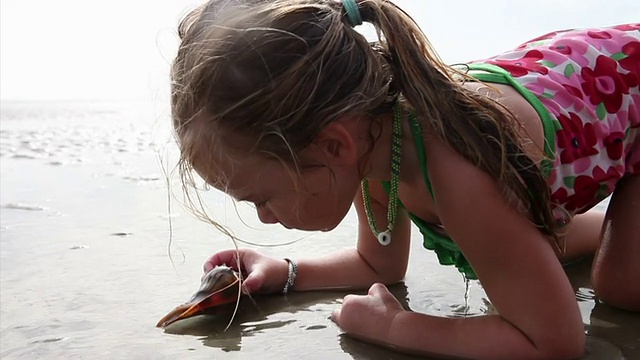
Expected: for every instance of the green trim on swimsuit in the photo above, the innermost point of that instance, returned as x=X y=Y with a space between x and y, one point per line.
x=496 y=74
x=446 y=250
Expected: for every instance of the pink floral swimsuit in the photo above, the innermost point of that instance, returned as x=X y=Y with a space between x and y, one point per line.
x=584 y=84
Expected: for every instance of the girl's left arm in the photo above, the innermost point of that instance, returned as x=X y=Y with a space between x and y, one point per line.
x=514 y=261
x=538 y=314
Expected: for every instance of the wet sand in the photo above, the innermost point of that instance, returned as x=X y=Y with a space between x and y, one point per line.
x=88 y=264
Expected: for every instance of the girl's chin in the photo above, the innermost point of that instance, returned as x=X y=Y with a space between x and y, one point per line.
x=329 y=228
x=303 y=228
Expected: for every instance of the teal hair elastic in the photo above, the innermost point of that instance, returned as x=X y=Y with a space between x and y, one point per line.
x=353 y=13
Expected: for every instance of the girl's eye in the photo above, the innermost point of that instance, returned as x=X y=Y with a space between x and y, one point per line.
x=260 y=204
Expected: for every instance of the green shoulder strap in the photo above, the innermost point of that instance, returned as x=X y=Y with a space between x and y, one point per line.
x=494 y=74
x=446 y=250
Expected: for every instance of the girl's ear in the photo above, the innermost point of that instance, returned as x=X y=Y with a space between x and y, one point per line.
x=336 y=142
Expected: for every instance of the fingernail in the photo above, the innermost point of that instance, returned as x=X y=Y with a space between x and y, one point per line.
x=245 y=290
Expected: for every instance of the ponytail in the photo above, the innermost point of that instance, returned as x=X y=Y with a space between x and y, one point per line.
x=478 y=128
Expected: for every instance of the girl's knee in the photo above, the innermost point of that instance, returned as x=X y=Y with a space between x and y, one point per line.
x=616 y=291
x=616 y=270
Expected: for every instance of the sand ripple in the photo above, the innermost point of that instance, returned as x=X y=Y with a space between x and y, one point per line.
x=75 y=134
x=18 y=206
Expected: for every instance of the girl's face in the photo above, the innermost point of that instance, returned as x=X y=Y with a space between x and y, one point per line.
x=316 y=200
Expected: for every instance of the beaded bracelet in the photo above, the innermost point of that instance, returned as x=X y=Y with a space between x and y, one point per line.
x=291 y=276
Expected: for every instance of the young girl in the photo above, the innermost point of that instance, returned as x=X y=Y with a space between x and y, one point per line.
x=283 y=104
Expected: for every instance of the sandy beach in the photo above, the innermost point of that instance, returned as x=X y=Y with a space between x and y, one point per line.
x=88 y=263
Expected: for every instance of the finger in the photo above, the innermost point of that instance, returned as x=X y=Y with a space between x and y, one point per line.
x=350 y=298
x=225 y=257
x=378 y=289
x=381 y=293
x=335 y=316
x=254 y=280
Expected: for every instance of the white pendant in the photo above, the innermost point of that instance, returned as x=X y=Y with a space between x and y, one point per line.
x=384 y=238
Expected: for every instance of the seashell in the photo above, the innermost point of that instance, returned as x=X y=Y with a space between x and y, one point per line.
x=218 y=287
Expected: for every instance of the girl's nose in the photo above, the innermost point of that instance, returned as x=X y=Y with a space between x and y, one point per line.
x=266 y=216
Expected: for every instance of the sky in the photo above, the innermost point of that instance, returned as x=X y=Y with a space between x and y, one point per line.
x=122 y=49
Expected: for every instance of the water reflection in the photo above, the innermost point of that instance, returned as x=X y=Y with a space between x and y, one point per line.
x=267 y=313
x=462 y=308
x=365 y=351
x=362 y=350
x=255 y=316
x=611 y=333
x=273 y=318
x=616 y=326
x=277 y=322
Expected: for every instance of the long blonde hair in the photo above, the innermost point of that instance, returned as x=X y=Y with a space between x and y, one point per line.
x=276 y=72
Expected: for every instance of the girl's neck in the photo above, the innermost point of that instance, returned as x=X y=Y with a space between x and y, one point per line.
x=379 y=163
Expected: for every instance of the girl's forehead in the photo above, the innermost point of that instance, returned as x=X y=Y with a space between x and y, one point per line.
x=210 y=153
x=235 y=175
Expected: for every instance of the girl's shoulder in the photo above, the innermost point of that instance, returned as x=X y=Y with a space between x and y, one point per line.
x=530 y=127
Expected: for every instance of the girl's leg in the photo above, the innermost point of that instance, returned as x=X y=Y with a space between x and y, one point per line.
x=616 y=268
x=583 y=236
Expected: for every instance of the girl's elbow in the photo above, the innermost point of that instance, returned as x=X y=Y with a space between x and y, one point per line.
x=394 y=276
x=562 y=347
x=386 y=272
x=392 y=280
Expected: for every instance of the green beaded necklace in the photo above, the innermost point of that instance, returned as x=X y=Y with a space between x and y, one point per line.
x=384 y=237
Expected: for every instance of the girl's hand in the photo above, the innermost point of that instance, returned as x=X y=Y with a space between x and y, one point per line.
x=260 y=273
x=368 y=317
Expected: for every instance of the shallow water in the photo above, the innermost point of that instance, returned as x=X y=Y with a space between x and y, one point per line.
x=87 y=267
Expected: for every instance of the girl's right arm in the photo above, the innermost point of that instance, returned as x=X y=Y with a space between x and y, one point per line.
x=349 y=268
x=367 y=263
